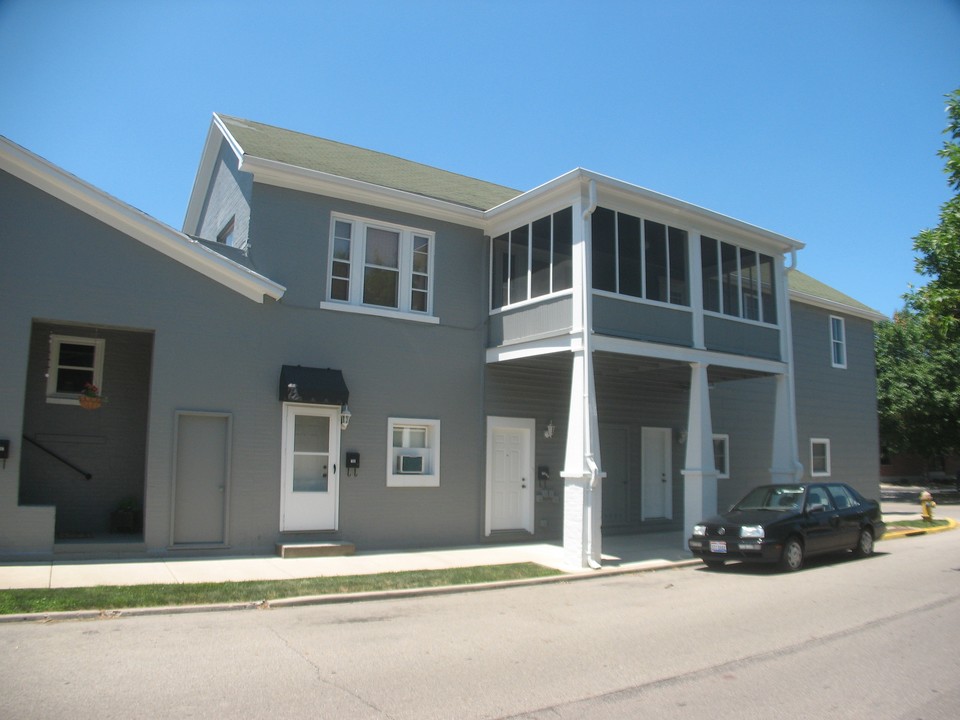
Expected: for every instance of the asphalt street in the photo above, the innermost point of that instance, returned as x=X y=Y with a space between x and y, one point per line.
x=843 y=638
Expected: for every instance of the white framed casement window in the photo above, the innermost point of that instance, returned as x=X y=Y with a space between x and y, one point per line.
x=819 y=457
x=380 y=269
x=721 y=456
x=413 y=452
x=74 y=362
x=838 y=342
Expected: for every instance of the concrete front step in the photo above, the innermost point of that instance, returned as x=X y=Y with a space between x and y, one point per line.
x=323 y=549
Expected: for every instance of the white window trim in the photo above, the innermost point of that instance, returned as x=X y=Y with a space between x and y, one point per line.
x=98 y=344
x=724 y=472
x=835 y=342
x=432 y=454
x=357 y=263
x=826 y=443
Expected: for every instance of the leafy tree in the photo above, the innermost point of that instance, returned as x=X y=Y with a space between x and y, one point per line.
x=918 y=353
x=918 y=384
x=938 y=302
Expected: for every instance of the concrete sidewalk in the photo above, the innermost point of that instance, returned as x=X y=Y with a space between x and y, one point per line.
x=621 y=553
x=626 y=552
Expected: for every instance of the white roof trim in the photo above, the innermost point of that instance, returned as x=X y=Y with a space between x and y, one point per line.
x=138 y=225
x=837 y=307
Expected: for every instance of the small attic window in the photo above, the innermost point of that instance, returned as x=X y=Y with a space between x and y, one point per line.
x=226 y=236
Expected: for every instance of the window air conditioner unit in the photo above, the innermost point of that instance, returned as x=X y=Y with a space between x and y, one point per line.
x=411 y=464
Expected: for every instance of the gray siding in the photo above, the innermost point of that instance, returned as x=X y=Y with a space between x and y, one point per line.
x=214 y=350
x=837 y=404
x=740 y=338
x=640 y=321
x=227 y=197
x=545 y=319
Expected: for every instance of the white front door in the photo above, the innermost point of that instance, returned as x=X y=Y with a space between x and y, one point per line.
x=510 y=478
x=310 y=478
x=657 y=470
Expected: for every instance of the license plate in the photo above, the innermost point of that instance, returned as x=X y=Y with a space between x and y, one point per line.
x=718 y=546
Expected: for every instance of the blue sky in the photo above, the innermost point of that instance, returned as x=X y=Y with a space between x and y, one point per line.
x=819 y=119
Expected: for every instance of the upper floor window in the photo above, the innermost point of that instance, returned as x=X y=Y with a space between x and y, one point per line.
x=640 y=258
x=737 y=281
x=381 y=266
x=838 y=342
x=533 y=260
x=75 y=362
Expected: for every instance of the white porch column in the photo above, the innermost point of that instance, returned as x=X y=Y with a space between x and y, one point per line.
x=699 y=472
x=581 y=471
x=785 y=464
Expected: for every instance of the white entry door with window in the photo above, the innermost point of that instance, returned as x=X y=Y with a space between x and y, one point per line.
x=657 y=473
x=510 y=478
x=309 y=472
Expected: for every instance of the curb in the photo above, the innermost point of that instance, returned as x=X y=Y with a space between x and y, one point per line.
x=337 y=598
x=911 y=532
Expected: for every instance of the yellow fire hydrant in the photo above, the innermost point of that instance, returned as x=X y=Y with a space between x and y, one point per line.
x=926 y=506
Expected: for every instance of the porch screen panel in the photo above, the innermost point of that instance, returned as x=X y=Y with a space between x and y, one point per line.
x=563 y=250
x=540 y=258
x=604 y=250
x=630 y=253
x=768 y=303
x=655 y=246
x=500 y=275
x=749 y=292
x=519 y=243
x=730 y=278
x=678 y=292
x=710 y=263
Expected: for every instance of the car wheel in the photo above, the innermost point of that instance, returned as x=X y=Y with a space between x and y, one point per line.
x=864 y=546
x=714 y=564
x=792 y=557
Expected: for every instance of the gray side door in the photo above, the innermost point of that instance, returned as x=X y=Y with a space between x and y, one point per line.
x=202 y=467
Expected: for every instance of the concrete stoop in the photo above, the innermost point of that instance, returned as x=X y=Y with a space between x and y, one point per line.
x=323 y=549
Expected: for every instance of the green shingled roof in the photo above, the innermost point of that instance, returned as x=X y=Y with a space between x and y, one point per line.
x=313 y=153
x=803 y=283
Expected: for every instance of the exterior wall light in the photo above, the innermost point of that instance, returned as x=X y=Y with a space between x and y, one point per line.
x=345 y=416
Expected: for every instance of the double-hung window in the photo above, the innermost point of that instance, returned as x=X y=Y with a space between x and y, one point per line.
x=838 y=342
x=819 y=457
x=381 y=267
x=75 y=362
x=413 y=457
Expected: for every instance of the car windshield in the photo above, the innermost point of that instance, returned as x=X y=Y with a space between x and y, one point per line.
x=783 y=498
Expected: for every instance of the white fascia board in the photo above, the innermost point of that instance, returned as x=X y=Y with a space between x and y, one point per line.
x=837 y=307
x=542 y=200
x=138 y=225
x=677 y=353
x=654 y=205
x=534 y=348
x=272 y=172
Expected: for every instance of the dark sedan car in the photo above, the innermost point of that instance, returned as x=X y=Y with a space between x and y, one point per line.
x=786 y=523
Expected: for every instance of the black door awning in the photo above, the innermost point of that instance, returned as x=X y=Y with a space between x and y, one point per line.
x=319 y=386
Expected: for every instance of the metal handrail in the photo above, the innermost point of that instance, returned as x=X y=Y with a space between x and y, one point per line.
x=51 y=453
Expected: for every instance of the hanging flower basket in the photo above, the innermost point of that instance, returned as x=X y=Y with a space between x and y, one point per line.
x=90 y=397
x=90 y=403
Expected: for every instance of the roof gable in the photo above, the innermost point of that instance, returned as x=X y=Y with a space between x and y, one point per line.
x=327 y=156
x=134 y=223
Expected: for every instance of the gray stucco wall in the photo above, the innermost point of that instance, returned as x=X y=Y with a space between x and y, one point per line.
x=214 y=350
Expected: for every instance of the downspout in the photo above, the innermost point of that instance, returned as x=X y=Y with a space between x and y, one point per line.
x=587 y=329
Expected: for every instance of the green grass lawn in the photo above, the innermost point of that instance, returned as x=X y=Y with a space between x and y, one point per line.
x=112 y=597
